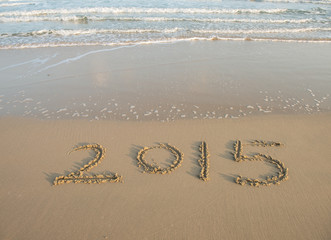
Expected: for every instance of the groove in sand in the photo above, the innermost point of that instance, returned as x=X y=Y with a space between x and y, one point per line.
x=78 y=177
x=204 y=161
x=238 y=156
x=153 y=168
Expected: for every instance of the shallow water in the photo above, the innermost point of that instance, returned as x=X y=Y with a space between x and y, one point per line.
x=39 y=23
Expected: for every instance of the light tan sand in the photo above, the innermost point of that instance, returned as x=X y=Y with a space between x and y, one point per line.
x=178 y=205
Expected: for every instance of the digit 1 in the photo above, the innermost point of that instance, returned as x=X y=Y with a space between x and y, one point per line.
x=204 y=161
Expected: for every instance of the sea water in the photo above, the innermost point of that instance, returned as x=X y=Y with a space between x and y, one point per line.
x=42 y=23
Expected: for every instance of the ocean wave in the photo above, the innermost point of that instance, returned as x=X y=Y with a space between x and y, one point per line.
x=88 y=32
x=326 y=2
x=261 y=31
x=160 y=31
x=85 y=19
x=163 y=41
x=15 y=4
x=111 y=10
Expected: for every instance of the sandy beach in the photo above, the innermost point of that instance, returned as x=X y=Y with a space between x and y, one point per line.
x=183 y=94
x=178 y=205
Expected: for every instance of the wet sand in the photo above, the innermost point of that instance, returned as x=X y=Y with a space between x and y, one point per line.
x=166 y=82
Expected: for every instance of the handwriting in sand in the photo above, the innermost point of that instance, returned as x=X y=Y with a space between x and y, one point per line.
x=153 y=168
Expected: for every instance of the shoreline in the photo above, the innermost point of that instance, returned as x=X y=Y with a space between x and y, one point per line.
x=170 y=41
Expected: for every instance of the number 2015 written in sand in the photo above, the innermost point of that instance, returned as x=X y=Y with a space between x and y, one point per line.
x=79 y=176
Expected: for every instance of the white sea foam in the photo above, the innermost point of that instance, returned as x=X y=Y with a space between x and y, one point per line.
x=61 y=110
x=68 y=60
x=252 y=31
x=74 y=18
x=162 y=41
x=33 y=61
x=326 y=2
x=135 y=10
x=65 y=32
x=12 y=0
x=78 y=32
x=14 y=4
